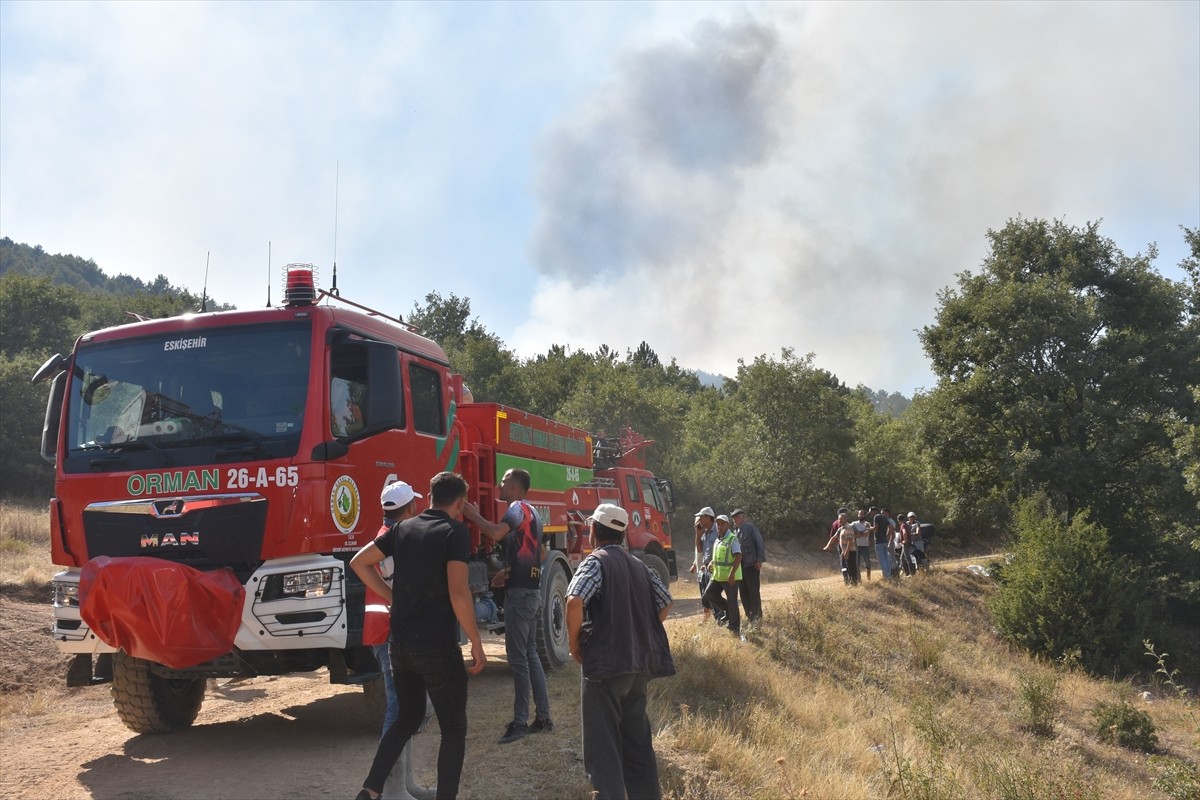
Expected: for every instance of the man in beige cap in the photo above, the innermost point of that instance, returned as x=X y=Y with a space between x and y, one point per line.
x=615 y=611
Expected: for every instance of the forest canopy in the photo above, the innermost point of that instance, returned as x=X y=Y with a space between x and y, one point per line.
x=1068 y=386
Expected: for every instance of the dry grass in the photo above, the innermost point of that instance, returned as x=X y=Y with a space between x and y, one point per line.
x=897 y=691
x=25 y=546
x=892 y=691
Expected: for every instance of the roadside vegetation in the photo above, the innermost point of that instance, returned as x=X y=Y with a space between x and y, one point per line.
x=902 y=690
x=25 y=547
x=1066 y=415
x=908 y=691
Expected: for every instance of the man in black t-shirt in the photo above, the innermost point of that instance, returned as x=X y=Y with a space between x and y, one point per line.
x=430 y=599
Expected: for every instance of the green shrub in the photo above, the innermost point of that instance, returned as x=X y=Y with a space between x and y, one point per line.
x=1040 y=702
x=1065 y=592
x=1177 y=779
x=1121 y=724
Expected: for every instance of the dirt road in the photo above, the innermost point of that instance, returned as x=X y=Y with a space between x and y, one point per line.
x=290 y=737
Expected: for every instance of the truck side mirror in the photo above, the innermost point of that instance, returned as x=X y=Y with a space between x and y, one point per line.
x=54 y=404
x=668 y=494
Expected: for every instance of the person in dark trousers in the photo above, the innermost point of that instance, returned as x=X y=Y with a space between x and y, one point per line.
x=754 y=555
x=430 y=600
x=615 y=611
x=842 y=518
x=521 y=531
x=706 y=537
x=726 y=569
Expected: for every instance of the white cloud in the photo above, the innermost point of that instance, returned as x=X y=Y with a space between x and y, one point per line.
x=816 y=178
x=763 y=167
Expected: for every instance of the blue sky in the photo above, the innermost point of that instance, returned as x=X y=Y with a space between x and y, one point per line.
x=721 y=180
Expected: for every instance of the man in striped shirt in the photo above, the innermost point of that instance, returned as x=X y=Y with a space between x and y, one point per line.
x=615 y=611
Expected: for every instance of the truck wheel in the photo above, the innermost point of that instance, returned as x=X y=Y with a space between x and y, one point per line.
x=375 y=700
x=554 y=648
x=658 y=567
x=148 y=703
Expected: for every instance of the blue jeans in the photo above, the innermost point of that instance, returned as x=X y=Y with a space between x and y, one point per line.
x=383 y=655
x=885 y=558
x=618 y=748
x=522 y=611
x=436 y=669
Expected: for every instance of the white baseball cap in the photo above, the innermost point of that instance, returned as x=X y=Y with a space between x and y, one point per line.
x=611 y=516
x=706 y=512
x=397 y=495
x=723 y=518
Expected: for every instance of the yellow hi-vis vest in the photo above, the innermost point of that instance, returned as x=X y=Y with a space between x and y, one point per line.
x=723 y=556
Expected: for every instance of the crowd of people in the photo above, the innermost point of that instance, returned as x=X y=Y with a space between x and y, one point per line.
x=900 y=548
x=730 y=553
x=415 y=572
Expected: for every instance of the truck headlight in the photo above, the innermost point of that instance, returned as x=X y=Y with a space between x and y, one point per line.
x=313 y=583
x=66 y=593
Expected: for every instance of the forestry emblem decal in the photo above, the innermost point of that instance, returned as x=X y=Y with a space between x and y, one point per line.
x=345 y=504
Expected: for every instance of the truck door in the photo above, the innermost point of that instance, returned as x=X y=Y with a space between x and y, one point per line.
x=366 y=429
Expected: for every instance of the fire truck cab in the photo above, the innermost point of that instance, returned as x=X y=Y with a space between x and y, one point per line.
x=215 y=472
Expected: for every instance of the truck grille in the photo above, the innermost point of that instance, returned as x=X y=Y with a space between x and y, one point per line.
x=201 y=532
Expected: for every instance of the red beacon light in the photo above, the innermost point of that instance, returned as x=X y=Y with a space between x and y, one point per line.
x=300 y=287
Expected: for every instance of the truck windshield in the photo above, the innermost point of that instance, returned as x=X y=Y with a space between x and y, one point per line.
x=183 y=400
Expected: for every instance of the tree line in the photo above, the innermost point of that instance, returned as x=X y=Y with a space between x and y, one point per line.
x=1066 y=410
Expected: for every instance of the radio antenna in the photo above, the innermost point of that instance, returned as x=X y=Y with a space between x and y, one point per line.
x=337 y=174
x=268 y=273
x=204 y=291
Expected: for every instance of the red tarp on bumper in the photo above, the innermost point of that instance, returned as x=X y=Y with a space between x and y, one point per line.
x=153 y=609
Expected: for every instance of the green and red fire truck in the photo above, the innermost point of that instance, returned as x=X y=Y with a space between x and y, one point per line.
x=215 y=472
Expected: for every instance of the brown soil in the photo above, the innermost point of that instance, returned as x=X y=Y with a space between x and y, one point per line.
x=289 y=737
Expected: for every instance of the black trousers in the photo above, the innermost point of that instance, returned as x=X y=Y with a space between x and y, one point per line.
x=439 y=670
x=852 y=567
x=724 y=600
x=751 y=592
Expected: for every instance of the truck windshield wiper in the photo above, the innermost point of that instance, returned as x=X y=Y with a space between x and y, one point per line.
x=131 y=444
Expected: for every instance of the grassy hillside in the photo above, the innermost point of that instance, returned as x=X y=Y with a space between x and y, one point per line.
x=902 y=691
x=899 y=691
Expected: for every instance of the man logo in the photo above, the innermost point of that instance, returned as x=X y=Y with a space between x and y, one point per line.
x=168 y=508
x=170 y=539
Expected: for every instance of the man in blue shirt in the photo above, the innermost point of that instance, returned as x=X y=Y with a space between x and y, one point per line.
x=521 y=531
x=754 y=555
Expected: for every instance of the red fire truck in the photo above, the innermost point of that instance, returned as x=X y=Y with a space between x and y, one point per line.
x=215 y=472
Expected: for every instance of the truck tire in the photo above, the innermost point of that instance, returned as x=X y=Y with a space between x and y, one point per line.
x=149 y=703
x=658 y=567
x=554 y=648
